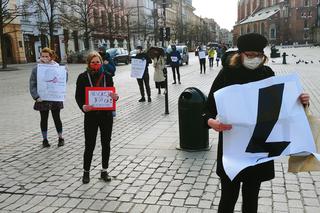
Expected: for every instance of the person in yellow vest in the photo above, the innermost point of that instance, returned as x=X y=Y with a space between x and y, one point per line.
x=211 y=54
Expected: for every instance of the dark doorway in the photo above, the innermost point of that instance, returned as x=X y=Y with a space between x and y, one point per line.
x=29 y=41
x=8 y=49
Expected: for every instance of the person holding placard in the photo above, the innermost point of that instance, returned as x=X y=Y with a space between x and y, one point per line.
x=95 y=96
x=145 y=77
x=47 y=57
x=202 y=60
x=175 y=59
x=241 y=67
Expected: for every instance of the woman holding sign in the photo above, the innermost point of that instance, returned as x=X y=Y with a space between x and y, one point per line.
x=48 y=56
x=95 y=96
x=241 y=67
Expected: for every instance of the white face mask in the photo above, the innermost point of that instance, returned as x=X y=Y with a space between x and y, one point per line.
x=252 y=63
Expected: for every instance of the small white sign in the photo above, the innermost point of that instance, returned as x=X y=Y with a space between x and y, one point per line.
x=138 y=67
x=174 y=59
x=100 y=98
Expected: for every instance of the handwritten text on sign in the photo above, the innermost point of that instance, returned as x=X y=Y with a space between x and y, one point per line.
x=138 y=67
x=99 y=98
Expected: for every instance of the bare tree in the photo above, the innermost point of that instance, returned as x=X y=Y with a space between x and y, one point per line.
x=79 y=15
x=47 y=11
x=7 y=16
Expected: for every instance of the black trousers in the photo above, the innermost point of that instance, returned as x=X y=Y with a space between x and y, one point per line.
x=174 y=69
x=92 y=121
x=202 y=64
x=56 y=118
x=145 y=79
x=230 y=192
x=210 y=62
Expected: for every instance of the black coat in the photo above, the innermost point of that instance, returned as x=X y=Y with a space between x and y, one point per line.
x=230 y=76
x=83 y=82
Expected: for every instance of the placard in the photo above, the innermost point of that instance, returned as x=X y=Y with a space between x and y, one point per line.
x=138 y=67
x=51 y=82
x=99 y=98
x=202 y=54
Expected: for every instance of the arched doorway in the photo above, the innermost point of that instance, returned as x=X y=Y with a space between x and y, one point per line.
x=8 y=49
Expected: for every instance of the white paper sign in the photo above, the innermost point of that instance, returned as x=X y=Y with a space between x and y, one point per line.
x=138 y=67
x=100 y=98
x=267 y=121
x=51 y=82
x=174 y=58
x=202 y=54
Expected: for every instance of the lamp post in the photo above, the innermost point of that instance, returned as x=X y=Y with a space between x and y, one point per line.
x=166 y=111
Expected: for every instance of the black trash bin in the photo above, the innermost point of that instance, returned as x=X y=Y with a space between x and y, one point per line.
x=193 y=134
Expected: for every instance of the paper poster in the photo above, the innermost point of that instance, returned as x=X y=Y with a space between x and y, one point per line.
x=99 y=98
x=267 y=121
x=138 y=67
x=202 y=54
x=174 y=59
x=51 y=82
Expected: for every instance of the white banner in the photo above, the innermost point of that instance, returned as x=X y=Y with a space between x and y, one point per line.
x=100 y=98
x=51 y=82
x=267 y=121
x=137 y=67
x=202 y=54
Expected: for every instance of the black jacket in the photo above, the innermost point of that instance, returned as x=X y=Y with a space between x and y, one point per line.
x=83 y=82
x=230 y=76
x=144 y=56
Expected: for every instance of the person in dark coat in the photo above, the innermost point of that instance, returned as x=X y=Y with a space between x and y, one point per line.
x=108 y=64
x=94 y=119
x=175 y=59
x=145 y=78
x=48 y=56
x=244 y=66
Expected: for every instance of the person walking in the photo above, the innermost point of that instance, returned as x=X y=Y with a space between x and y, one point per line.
x=145 y=78
x=174 y=60
x=202 y=60
x=211 y=54
x=94 y=119
x=157 y=55
x=244 y=66
x=219 y=55
x=47 y=56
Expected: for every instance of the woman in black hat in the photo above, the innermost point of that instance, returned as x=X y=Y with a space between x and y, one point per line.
x=241 y=67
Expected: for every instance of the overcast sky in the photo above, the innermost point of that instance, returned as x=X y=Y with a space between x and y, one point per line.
x=224 y=12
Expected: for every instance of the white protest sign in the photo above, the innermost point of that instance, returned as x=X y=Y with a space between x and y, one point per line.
x=138 y=67
x=99 y=98
x=174 y=59
x=267 y=121
x=51 y=82
x=202 y=54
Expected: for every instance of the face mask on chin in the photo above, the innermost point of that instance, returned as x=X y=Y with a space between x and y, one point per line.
x=252 y=63
x=95 y=67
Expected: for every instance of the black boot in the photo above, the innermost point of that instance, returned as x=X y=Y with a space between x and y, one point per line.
x=149 y=99
x=86 y=177
x=142 y=99
x=60 y=142
x=105 y=176
x=45 y=143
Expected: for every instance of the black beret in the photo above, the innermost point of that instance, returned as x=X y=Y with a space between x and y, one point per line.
x=252 y=42
x=139 y=47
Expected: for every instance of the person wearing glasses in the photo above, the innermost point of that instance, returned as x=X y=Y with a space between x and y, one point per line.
x=94 y=119
x=241 y=67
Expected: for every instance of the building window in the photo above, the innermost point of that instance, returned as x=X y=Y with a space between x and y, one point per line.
x=306 y=35
x=305 y=24
x=273 y=33
x=306 y=3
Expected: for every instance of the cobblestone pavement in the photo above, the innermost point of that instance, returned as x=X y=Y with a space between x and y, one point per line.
x=149 y=173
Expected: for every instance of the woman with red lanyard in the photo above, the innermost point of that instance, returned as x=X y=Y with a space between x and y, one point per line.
x=94 y=119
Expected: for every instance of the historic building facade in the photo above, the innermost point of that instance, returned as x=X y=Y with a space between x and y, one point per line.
x=13 y=40
x=281 y=21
